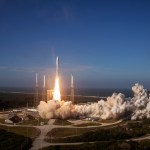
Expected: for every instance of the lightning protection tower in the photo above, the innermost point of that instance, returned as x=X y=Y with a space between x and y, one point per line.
x=72 y=89
x=36 y=92
x=44 y=91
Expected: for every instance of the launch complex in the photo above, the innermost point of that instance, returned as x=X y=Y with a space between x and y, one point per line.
x=54 y=117
x=53 y=94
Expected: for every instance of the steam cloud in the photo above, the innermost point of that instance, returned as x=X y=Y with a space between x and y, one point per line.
x=116 y=106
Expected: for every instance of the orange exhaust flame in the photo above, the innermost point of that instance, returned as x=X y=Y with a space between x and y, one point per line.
x=57 y=96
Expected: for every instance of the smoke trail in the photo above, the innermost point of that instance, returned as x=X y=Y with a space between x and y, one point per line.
x=116 y=106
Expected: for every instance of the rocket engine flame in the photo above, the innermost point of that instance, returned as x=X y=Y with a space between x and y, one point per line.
x=57 y=96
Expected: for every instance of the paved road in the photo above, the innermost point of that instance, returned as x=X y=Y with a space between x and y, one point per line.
x=147 y=137
x=40 y=143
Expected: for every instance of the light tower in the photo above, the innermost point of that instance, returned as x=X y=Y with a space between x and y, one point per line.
x=36 y=91
x=72 y=89
x=44 y=91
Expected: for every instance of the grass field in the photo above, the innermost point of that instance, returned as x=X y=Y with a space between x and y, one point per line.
x=62 y=122
x=12 y=141
x=104 y=145
x=77 y=130
x=108 y=121
x=33 y=122
x=64 y=132
x=25 y=131
x=2 y=120
x=88 y=124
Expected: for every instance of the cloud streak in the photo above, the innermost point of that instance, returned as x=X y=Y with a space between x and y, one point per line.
x=24 y=69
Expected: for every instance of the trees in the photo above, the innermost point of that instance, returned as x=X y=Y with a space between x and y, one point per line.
x=11 y=141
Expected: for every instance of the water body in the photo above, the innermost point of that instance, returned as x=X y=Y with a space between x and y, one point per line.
x=103 y=92
x=78 y=91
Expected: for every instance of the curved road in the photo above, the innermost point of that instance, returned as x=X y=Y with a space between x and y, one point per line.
x=39 y=142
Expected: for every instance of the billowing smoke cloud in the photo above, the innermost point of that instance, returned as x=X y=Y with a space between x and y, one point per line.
x=56 y=109
x=116 y=106
x=140 y=102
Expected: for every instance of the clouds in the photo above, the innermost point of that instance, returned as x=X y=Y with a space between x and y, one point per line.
x=16 y=69
x=77 y=68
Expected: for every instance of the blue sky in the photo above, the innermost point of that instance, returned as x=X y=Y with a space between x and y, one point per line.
x=105 y=44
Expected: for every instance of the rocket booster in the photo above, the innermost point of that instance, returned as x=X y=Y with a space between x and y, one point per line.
x=57 y=63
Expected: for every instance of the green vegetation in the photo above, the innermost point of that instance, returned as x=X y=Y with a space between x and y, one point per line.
x=88 y=124
x=145 y=144
x=64 y=132
x=146 y=121
x=121 y=132
x=104 y=145
x=10 y=141
x=2 y=120
x=139 y=128
x=15 y=100
x=25 y=131
x=62 y=122
x=34 y=122
x=29 y=122
x=108 y=121
x=81 y=99
x=97 y=135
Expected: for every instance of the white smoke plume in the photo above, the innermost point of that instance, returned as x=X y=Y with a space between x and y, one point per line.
x=140 y=103
x=116 y=106
x=56 y=109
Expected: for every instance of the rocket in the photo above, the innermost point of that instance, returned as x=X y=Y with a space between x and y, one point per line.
x=57 y=63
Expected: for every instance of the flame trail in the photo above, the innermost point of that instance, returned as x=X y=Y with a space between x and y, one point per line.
x=57 y=95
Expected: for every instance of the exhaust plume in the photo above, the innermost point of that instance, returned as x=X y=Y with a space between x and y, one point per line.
x=57 y=96
x=116 y=106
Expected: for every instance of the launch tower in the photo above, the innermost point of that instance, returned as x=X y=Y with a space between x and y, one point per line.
x=44 y=91
x=72 y=89
x=36 y=92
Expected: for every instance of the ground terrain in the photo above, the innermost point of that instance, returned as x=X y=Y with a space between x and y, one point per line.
x=61 y=134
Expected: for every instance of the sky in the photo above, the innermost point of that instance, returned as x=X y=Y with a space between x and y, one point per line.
x=103 y=43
